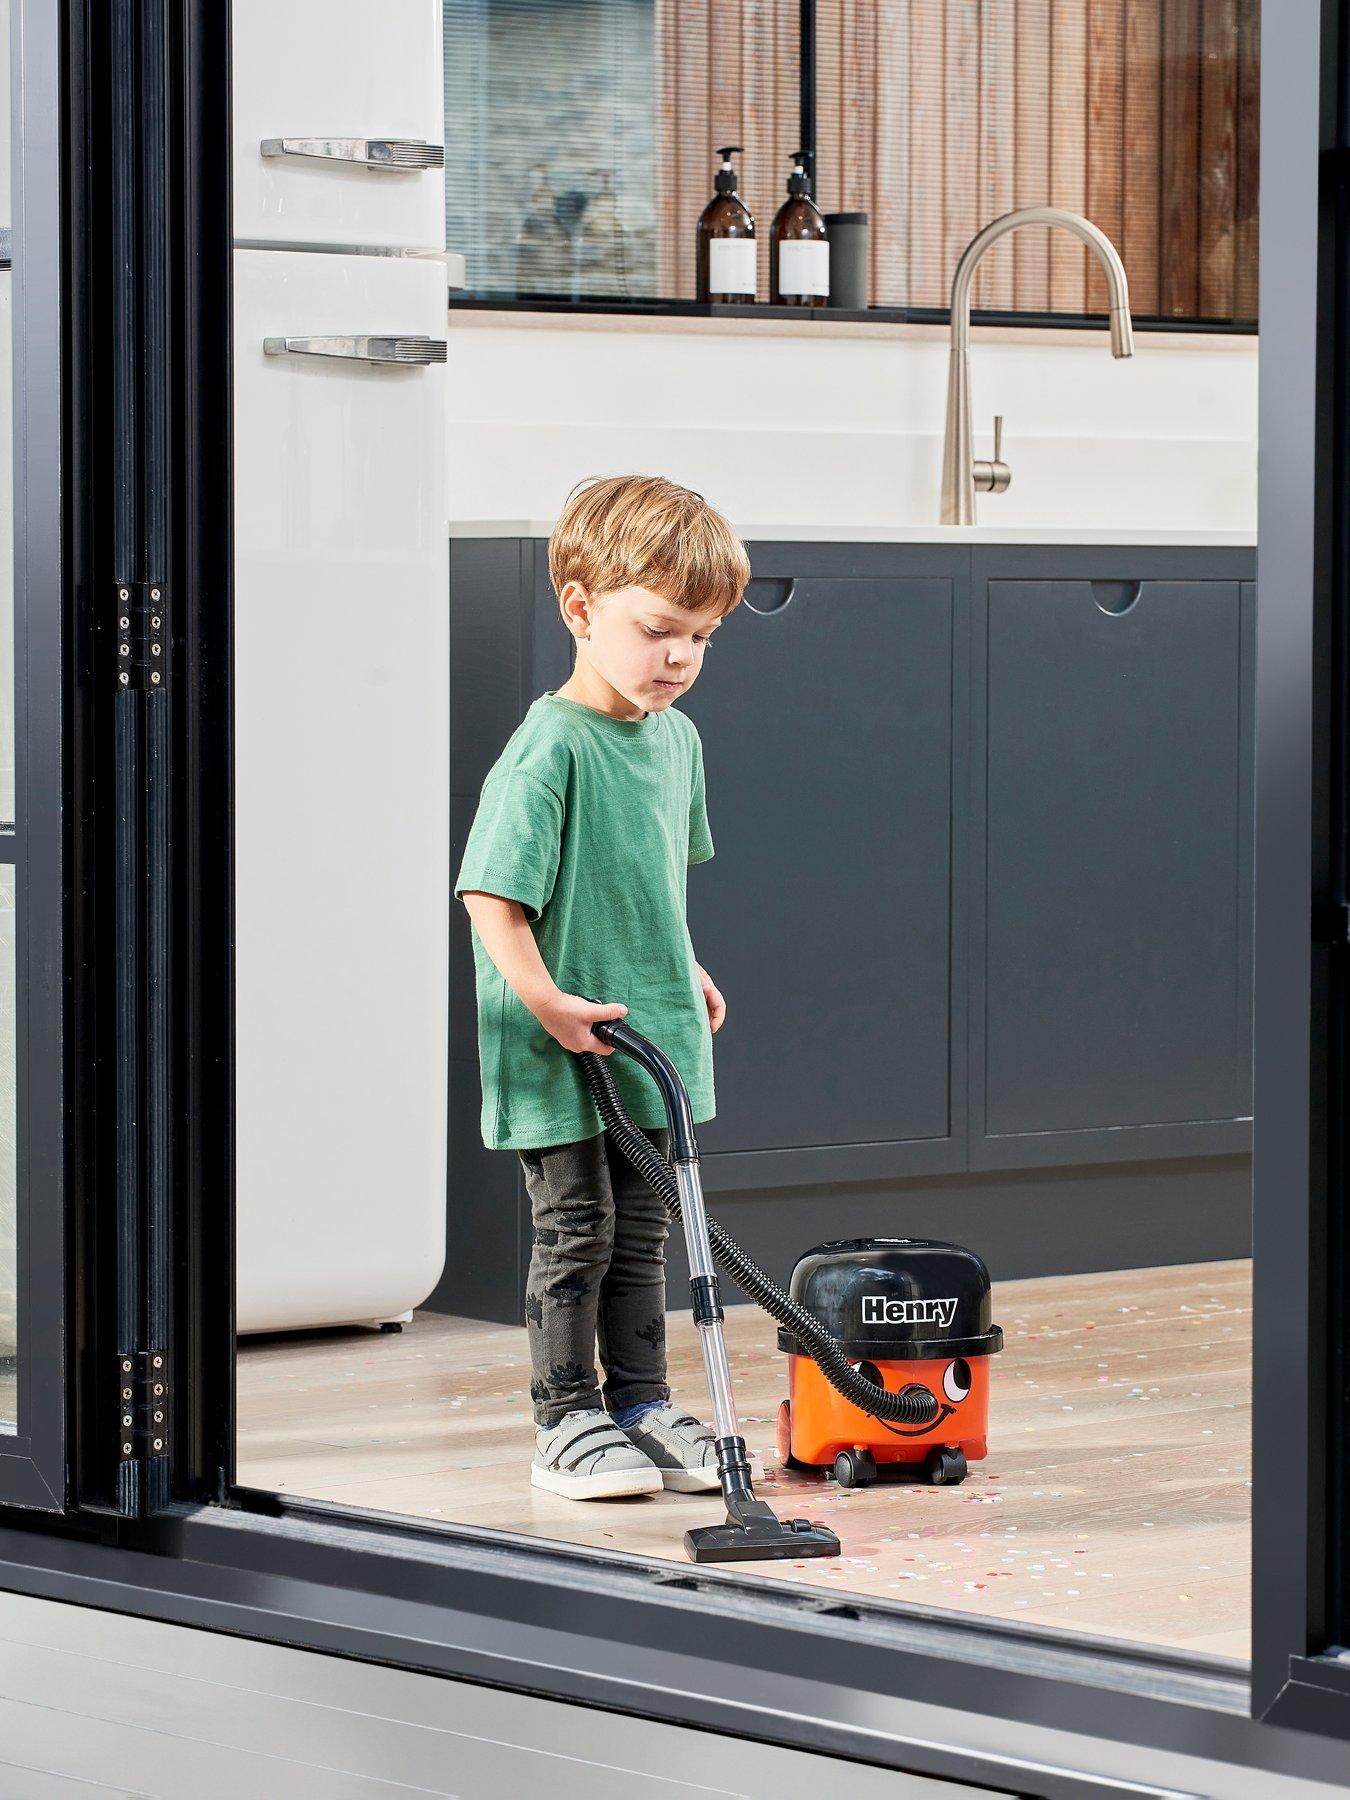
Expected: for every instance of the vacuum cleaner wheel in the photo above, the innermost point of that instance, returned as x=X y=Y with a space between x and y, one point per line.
x=945 y=1467
x=855 y=1468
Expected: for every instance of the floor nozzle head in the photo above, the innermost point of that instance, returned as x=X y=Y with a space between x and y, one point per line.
x=763 y=1540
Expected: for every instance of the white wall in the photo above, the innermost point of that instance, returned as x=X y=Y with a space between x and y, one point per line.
x=840 y=427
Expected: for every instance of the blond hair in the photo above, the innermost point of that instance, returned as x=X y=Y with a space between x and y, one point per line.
x=644 y=531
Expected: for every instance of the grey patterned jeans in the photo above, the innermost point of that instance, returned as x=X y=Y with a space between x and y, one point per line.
x=598 y=1270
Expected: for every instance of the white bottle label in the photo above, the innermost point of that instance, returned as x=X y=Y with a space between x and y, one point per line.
x=731 y=266
x=804 y=267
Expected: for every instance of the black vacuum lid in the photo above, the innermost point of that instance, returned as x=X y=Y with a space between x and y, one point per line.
x=893 y=1299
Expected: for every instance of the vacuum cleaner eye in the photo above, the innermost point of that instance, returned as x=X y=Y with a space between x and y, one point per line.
x=956 y=1380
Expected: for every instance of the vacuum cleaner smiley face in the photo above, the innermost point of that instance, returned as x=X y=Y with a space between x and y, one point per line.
x=953 y=1388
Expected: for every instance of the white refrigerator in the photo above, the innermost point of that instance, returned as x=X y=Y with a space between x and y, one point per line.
x=341 y=661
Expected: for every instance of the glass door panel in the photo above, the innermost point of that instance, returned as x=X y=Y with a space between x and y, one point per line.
x=33 y=721
x=9 y=1308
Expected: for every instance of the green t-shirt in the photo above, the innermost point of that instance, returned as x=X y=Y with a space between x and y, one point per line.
x=590 y=823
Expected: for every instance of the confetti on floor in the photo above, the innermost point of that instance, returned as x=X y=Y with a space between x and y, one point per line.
x=1132 y=1460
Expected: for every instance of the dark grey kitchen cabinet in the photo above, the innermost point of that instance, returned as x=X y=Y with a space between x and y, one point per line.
x=1111 y=856
x=826 y=713
x=494 y=675
x=980 y=903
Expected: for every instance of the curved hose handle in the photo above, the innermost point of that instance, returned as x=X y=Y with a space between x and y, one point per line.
x=683 y=1143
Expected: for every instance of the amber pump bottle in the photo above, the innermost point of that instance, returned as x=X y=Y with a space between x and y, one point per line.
x=726 y=241
x=799 y=245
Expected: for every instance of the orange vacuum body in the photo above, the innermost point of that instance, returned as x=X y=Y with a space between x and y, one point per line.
x=907 y=1312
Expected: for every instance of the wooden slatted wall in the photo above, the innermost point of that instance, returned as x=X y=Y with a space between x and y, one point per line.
x=728 y=73
x=935 y=116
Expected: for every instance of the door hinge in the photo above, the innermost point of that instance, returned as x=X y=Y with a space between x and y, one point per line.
x=142 y=635
x=143 y=1404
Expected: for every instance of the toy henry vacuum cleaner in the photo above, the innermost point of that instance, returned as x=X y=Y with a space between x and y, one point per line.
x=905 y=1381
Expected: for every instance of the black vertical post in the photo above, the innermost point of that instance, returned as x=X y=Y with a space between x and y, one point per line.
x=156 y=701
x=203 y=747
x=126 y=572
x=139 y=595
x=807 y=75
x=1334 y=827
x=1297 y=986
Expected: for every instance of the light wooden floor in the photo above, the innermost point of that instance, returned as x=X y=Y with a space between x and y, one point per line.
x=1115 y=1500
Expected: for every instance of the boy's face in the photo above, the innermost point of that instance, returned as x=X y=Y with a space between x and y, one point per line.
x=646 y=649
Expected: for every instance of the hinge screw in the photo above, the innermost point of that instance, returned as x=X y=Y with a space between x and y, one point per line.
x=154 y=593
x=154 y=675
x=125 y=679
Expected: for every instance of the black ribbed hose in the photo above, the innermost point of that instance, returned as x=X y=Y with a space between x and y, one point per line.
x=914 y=1405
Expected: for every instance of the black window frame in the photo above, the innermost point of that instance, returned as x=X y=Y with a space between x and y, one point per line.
x=740 y=1655
x=657 y=307
x=1301 y=1608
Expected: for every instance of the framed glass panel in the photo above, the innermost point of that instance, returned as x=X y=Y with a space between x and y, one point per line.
x=9 y=1313
x=1141 y=1068
x=1140 y=115
x=580 y=140
x=580 y=137
x=32 y=1188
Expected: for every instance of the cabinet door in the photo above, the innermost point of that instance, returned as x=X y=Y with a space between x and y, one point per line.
x=1111 y=925
x=342 y=783
x=331 y=69
x=825 y=914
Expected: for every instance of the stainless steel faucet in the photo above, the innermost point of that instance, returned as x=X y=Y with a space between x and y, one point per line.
x=961 y=474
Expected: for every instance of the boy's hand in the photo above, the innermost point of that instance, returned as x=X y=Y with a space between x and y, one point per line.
x=568 y=1017
x=716 y=1005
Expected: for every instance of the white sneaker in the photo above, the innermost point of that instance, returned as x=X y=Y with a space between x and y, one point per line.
x=586 y=1457
x=682 y=1449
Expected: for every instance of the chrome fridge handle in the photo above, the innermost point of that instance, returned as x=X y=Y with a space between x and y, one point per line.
x=372 y=153
x=412 y=350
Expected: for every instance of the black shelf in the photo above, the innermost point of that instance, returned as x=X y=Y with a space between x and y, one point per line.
x=828 y=315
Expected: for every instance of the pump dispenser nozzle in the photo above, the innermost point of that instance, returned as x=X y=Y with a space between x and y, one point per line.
x=725 y=180
x=799 y=182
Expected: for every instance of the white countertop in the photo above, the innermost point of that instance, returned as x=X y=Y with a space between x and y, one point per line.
x=900 y=534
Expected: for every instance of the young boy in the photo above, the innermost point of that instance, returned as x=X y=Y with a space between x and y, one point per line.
x=574 y=879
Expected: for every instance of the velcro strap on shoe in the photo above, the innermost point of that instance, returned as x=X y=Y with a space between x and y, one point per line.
x=681 y=1422
x=574 y=1450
